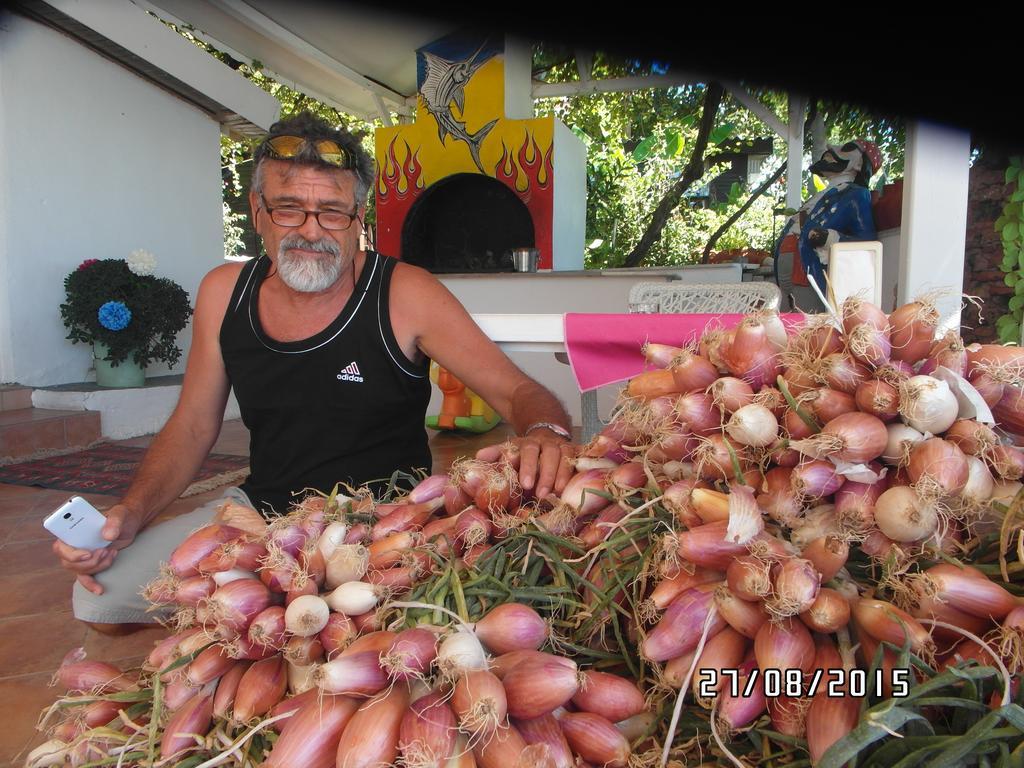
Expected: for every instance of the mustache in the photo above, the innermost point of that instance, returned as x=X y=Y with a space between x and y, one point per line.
x=318 y=246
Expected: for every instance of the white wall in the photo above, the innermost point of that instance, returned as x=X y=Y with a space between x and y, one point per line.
x=94 y=162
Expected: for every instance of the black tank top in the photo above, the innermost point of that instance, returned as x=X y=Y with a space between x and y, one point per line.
x=343 y=405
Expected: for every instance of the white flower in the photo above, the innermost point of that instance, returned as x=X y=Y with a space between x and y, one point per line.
x=141 y=262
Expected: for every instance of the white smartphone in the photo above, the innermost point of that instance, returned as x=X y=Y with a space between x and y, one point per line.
x=77 y=523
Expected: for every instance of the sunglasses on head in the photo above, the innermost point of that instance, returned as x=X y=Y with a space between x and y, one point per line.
x=287 y=147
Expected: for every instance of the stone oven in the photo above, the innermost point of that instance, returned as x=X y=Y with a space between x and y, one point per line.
x=467 y=182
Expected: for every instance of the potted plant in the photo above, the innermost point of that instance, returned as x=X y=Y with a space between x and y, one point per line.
x=129 y=315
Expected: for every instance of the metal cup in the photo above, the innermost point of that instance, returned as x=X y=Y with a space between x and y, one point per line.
x=525 y=259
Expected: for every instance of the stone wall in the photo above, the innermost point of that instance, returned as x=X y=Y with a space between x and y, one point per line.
x=983 y=250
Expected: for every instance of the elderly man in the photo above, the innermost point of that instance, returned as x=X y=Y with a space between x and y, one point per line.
x=327 y=348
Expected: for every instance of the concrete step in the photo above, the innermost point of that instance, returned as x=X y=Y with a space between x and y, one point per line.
x=28 y=431
x=14 y=397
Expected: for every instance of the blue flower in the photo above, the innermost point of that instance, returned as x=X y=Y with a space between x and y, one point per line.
x=115 y=316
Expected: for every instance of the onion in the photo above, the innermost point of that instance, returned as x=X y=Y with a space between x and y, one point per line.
x=306 y=615
x=337 y=634
x=595 y=739
x=990 y=388
x=749 y=578
x=938 y=466
x=971 y=437
x=912 y=330
x=828 y=554
x=651 y=384
x=261 y=687
x=410 y=655
x=427 y=733
x=545 y=731
x=786 y=644
x=479 y=702
x=346 y=562
x=354 y=598
x=355 y=674
x=725 y=650
x=816 y=479
x=967 y=592
x=878 y=398
x=692 y=372
x=740 y=711
x=1006 y=461
x=796 y=588
x=903 y=516
x=825 y=404
x=194 y=717
x=842 y=373
x=512 y=627
x=371 y=738
x=697 y=411
x=829 y=612
x=680 y=627
x=753 y=425
x=535 y=688
x=901 y=440
x=884 y=621
x=459 y=653
x=309 y=737
x=745 y=616
x=869 y=344
x=614 y=698
x=855 y=505
x=852 y=437
x=1009 y=411
x=928 y=404
x=730 y=394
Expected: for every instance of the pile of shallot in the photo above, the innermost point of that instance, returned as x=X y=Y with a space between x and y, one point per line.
x=774 y=510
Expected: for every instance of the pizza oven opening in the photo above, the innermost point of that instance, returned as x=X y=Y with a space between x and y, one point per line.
x=466 y=222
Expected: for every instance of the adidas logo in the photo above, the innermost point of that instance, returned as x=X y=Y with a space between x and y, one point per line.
x=350 y=373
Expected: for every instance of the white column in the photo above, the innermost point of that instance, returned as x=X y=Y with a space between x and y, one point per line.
x=934 y=228
x=518 y=78
x=795 y=161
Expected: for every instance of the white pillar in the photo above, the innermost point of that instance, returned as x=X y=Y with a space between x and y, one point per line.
x=518 y=78
x=934 y=228
x=795 y=141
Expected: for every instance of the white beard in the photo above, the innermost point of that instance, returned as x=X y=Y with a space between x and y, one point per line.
x=305 y=274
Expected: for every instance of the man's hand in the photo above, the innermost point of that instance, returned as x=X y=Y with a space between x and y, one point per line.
x=120 y=529
x=545 y=461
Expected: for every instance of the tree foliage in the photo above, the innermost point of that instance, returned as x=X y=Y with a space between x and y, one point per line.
x=639 y=145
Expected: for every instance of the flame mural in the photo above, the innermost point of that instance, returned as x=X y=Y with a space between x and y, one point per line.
x=460 y=127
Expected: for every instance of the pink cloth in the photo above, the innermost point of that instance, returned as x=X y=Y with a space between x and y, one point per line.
x=605 y=348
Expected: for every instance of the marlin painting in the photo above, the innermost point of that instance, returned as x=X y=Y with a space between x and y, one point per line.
x=443 y=84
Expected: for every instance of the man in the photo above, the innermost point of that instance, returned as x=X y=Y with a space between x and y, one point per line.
x=327 y=348
x=840 y=212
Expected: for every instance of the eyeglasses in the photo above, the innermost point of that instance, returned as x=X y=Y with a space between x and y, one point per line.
x=287 y=147
x=296 y=217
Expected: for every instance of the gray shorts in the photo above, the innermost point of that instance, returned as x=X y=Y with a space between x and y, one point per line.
x=138 y=564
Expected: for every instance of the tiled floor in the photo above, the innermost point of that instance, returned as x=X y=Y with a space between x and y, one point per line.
x=36 y=626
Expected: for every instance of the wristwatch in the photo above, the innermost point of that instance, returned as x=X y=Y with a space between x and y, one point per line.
x=551 y=427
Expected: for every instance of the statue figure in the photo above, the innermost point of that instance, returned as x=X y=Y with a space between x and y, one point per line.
x=840 y=212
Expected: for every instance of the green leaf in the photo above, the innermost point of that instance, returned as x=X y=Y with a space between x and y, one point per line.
x=643 y=149
x=1011 y=279
x=1016 y=302
x=1020 y=257
x=874 y=726
x=673 y=143
x=1017 y=196
x=721 y=133
x=1011 y=173
x=1011 y=230
x=1009 y=335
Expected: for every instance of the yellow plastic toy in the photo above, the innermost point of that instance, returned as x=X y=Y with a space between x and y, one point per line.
x=461 y=408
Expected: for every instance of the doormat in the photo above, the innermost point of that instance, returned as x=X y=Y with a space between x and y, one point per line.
x=109 y=469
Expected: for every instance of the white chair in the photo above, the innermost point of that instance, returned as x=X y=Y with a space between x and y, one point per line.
x=699 y=298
